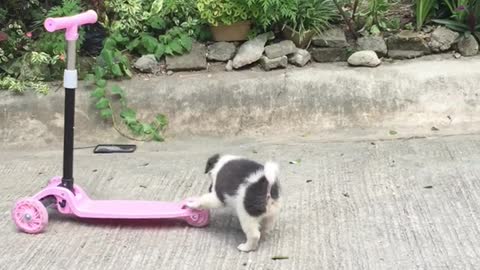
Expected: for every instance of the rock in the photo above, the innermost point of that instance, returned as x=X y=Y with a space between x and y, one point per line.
x=196 y=59
x=229 y=66
x=428 y=28
x=401 y=55
x=457 y=55
x=269 y=64
x=373 y=43
x=146 y=63
x=329 y=54
x=221 y=51
x=169 y=73
x=442 y=39
x=407 y=44
x=300 y=58
x=250 y=51
x=468 y=46
x=364 y=58
x=333 y=38
x=282 y=48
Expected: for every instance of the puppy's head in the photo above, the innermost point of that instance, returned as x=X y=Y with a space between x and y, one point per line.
x=211 y=162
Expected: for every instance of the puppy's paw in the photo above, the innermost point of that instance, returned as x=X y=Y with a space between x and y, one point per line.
x=245 y=247
x=193 y=204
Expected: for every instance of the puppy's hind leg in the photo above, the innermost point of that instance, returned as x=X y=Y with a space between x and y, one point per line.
x=206 y=201
x=272 y=215
x=251 y=228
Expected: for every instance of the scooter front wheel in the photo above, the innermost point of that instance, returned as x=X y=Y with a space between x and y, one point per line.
x=30 y=216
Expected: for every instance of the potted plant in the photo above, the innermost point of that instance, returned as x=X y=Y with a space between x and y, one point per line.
x=311 y=17
x=228 y=19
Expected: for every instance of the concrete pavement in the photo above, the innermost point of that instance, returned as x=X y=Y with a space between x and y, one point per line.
x=362 y=204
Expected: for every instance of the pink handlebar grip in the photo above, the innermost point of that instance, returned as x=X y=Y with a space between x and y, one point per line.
x=71 y=23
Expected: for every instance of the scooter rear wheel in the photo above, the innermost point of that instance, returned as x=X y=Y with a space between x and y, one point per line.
x=199 y=219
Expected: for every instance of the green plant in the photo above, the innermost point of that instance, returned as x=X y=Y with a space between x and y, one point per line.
x=19 y=87
x=458 y=8
x=266 y=13
x=423 y=8
x=54 y=43
x=130 y=16
x=465 y=19
x=104 y=103
x=312 y=15
x=113 y=64
x=376 y=17
x=174 y=41
x=225 y=12
x=348 y=19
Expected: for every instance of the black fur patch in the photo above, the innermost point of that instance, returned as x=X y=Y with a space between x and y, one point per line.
x=255 y=201
x=211 y=162
x=232 y=175
x=275 y=191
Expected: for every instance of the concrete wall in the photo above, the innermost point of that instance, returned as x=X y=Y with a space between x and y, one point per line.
x=438 y=91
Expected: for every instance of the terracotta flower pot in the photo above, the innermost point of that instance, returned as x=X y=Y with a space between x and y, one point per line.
x=301 y=40
x=234 y=32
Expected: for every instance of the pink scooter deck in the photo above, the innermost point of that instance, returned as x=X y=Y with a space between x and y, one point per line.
x=129 y=209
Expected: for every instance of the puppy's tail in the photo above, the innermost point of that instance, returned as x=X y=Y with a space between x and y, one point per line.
x=271 y=172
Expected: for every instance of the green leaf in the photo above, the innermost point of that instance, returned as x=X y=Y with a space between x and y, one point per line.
x=119 y=38
x=99 y=73
x=168 y=50
x=147 y=129
x=101 y=83
x=106 y=113
x=136 y=128
x=126 y=71
x=110 y=43
x=157 y=137
x=149 y=43
x=117 y=90
x=117 y=72
x=107 y=56
x=160 y=51
x=374 y=30
x=157 y=23
x=186 y=42
x=103 y=103
x=134 y=44
x=99 y=92
x=89 y=77
x=456 y=26
x=176 y=47
x=129 y=116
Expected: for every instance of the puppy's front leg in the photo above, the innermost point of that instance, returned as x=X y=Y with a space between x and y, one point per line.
x=206 y=201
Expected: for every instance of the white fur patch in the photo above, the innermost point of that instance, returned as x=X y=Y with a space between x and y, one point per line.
x=271 y=171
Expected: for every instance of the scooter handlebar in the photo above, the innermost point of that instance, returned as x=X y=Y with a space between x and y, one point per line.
x=71 y=23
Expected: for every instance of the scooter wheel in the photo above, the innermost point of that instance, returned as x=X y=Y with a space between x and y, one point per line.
x=199 y=218
x=30 y=216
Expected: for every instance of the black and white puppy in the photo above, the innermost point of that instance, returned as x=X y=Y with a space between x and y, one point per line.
x=250 y=188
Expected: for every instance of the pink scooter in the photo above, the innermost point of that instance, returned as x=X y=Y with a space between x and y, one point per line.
x=30 y=215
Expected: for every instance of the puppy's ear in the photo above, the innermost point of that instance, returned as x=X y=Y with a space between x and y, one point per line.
x=211 y=162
